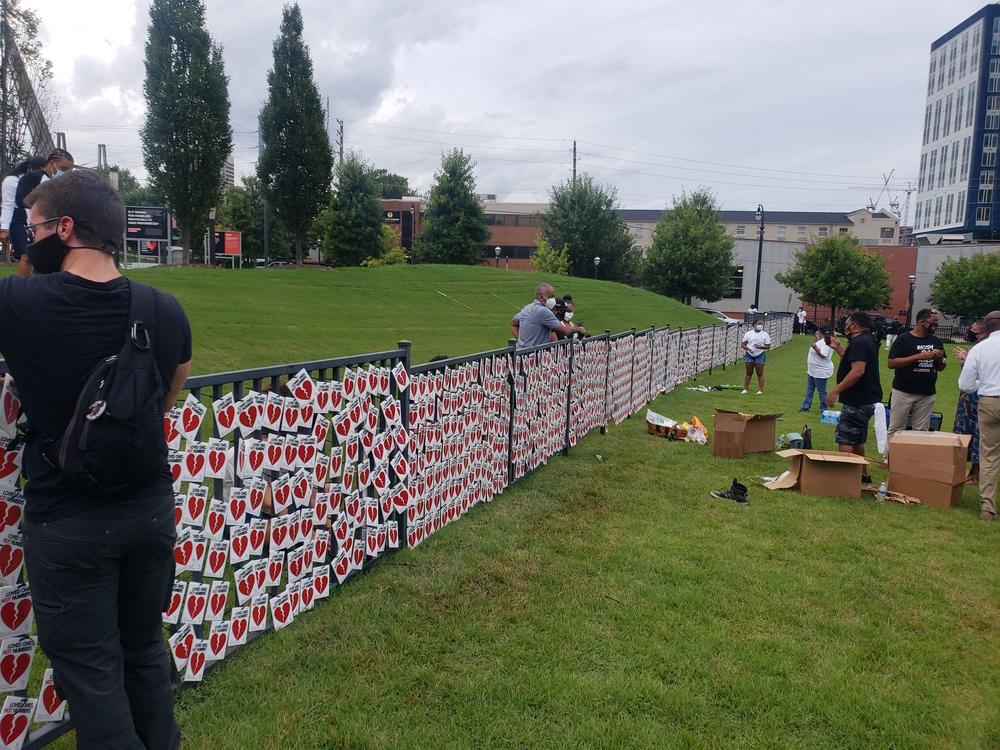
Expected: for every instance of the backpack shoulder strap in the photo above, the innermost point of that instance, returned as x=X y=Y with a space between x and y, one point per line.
x=141 y=320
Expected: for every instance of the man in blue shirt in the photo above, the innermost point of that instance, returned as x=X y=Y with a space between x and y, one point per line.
x=536 y=320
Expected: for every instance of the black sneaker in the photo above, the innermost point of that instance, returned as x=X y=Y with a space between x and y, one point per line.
x=866 y=479
x=737 y=492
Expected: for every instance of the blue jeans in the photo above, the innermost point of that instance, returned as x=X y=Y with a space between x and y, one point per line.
x=814 y=384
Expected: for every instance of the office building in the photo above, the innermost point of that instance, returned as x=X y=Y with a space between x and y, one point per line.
x=956 y=199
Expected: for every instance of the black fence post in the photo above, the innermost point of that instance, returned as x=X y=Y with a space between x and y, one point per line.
x=631 y=377
x=404 y=407
x=512 y=343
x=569 y=398
x=607 y=374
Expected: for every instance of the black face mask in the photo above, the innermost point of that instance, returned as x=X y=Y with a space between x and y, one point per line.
x=971 y=336
x=47 y=254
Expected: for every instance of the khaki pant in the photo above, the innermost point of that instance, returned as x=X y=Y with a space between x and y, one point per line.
x=989 y=452
x=902 y=405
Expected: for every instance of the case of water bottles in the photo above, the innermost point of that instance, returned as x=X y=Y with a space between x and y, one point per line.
x=830 y=416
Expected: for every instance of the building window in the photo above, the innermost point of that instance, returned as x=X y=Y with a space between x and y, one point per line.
x=983 y=215
x=970 y=111
x=801 y=232
x=916 y=221
x=493 y=220
x=974 y=59
x=923 y=173
x=927 y=122
x=823 y=231
x=736 y=281
x=944 y=163
x=931 y=170
x=985 y=187
x=959 y=104
x=947 y=115
x=954 y=163
x=741 y=229
x=887 y=233
x=960 y=208
x=930 y=76
x=948 y=206
x=842 y=230
x=937 y=121
x=781 y=232
x=966 y=147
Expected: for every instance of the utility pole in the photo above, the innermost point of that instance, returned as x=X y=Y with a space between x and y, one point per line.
x=340 y=139
x=574 y=162
x=267 y=227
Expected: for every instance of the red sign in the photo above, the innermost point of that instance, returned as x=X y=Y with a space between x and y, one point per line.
x=232 y=243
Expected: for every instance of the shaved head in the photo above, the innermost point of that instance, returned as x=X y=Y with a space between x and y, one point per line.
x=992 y=321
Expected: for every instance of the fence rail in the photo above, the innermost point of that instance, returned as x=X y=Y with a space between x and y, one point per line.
x=292 y=479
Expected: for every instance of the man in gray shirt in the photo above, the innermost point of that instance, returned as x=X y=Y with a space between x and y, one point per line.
x=532 y=325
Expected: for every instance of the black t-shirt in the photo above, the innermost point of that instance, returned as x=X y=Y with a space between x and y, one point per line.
x=28 y=182
x=868 y=390
x=54 y=328
x=919 y=378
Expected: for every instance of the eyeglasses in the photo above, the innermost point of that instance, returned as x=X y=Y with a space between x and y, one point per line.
x=30 y=229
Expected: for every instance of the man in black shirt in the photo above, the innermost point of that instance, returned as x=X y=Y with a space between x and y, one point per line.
x=858 y=385
x=916 y=358
x=58 y=163
x=101 y=567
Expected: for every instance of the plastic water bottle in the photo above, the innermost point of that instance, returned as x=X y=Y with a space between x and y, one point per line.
x=880 y=495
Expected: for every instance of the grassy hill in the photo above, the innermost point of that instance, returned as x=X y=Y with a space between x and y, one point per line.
x=264 y=316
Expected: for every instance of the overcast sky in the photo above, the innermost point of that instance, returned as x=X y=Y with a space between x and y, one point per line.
x=796 y=104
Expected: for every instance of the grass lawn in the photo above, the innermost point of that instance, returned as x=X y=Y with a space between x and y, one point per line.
x=265 y=316
x=608 y=601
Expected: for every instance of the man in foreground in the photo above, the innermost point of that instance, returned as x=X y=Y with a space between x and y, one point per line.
x=916 y=357
x=533 y=324
x=981 y=374
x=101 y=565
x=858 y=385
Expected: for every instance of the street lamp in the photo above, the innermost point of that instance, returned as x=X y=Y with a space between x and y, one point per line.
x=760 y=254
x=597 y=262
x=496 y=251
x=909 y=310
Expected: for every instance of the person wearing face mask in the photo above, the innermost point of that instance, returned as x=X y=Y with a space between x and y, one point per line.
x=755 y=342
x=858 y=385
x=58 y=163
x=533 y=324
x=981 y=375
x=564 y=312
x=967 y=412
x=916 y=358
x=101 y=562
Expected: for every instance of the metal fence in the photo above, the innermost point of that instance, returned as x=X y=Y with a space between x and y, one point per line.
x=295 y=478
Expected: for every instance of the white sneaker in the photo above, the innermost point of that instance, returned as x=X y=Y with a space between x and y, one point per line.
x=743 y=392
x=760 y=393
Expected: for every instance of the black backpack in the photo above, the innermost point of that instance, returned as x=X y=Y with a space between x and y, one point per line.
x=114 y=442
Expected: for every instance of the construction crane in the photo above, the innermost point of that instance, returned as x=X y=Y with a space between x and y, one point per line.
x=14 y=71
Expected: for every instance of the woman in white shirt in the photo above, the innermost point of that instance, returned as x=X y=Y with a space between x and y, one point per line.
x=819 y=368
x=8 y=191
x=755 y=342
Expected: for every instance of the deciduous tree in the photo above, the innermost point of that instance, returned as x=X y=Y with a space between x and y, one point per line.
x=835 y=271
x=581 y=218
x=548 y=259
x=690 y=256
x=968 y=287
x=352 y=229
x=186 y=137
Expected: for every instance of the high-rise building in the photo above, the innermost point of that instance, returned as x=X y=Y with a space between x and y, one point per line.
x=958 y=158
x=229 y=172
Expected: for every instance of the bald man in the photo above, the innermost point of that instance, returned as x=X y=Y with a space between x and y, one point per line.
x=981 y=375
x=536 y=320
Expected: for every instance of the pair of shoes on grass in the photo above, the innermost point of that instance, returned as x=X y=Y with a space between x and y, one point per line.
x=745 y=392
x=737 y=492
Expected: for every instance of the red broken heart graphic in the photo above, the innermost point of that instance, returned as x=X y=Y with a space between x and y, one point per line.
x=239 y=545
x=245 y=585
x=175 y=602
x=12 y=726
x=182 y=552
x=307 y=595
x=216 y=560
x=216 y=460
x=196 y=506
x=190 y=420
x=281 y=612
x=197 y=662
x=218 y=602
x=9 y=515
x=304 y=391
x=258 y=613
x=195 y=604
x=13 y=614
x=183 y=648
x=342 y=565
x=237 y=508
x=256 y=538
x=51 y=700
x=239 y=628
x=8 y=465
x=12 y=667
x=278 y=535
x=322 y=400
x=170 y=430
x=11 y=407
x=175 y=471
x=215 y=521
x=217 y=643
x=273 y=413
x=256 y=458
x=226 y=416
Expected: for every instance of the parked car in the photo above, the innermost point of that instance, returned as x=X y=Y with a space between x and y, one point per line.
x=880 y=324
x=720 y=315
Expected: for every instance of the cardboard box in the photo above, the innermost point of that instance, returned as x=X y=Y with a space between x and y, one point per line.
x=737 y=434
x=821 y=473
x=929 y=466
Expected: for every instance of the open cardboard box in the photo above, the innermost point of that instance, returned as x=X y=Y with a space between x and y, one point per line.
x=737 y=434
x=929 y=466
x=821 y=473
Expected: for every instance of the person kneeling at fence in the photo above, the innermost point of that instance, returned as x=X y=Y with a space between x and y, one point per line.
x=532 y=325
x=100 y=561
x=755 y=342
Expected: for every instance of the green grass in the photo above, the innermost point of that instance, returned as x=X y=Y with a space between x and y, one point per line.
x=608 y=601
x=259 y=317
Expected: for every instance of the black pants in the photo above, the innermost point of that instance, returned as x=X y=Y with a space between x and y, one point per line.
x=18 y=233
x=99 y=582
